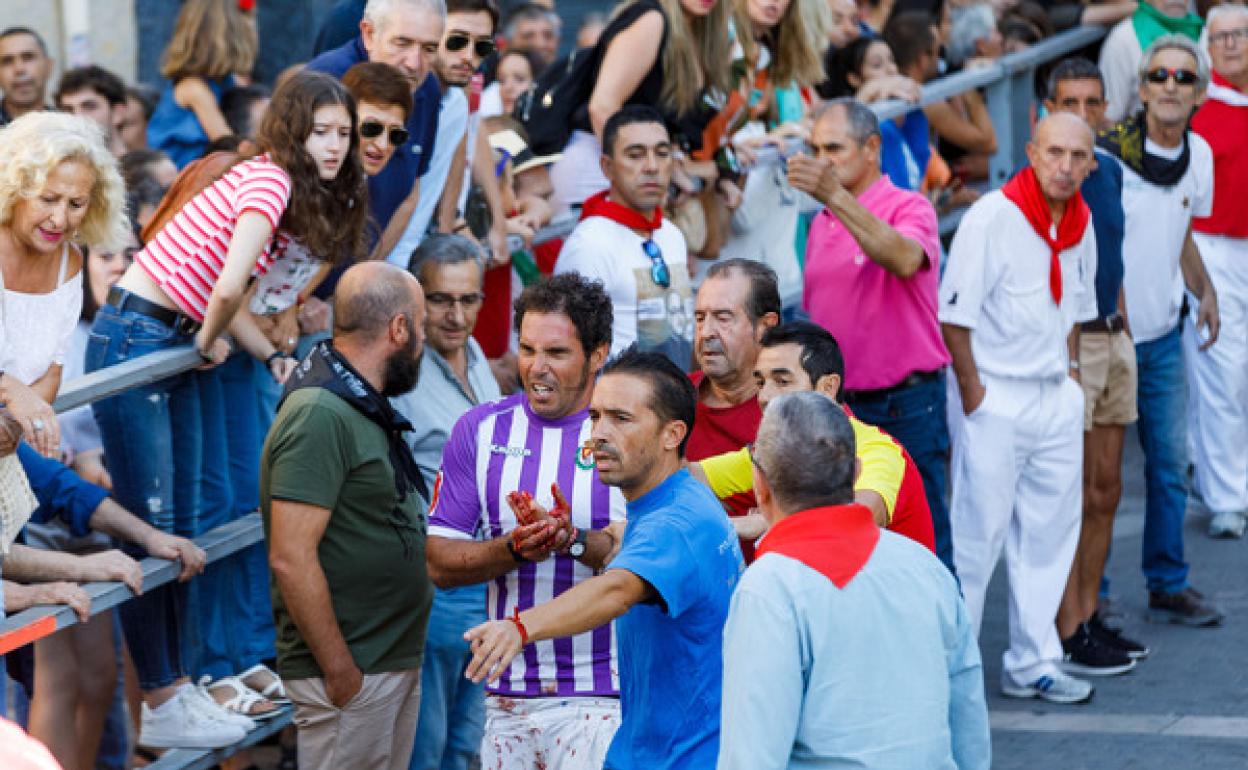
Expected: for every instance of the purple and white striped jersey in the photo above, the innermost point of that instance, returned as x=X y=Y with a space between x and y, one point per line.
x=502 y=447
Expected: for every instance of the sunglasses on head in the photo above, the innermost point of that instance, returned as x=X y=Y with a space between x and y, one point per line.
x=1182 y=77
x=371 y=129
x=658 y=268
x=456 y=42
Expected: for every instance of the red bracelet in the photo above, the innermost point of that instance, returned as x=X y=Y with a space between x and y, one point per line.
x=524 y=632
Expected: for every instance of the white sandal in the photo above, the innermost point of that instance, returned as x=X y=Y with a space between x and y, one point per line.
x=274 y=690
x=243 y=699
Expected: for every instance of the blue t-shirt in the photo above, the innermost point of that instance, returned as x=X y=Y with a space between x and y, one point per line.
x=175 y=130
x=1102 y=191
x=905 y=150
x=389 y=188
x=678 y=540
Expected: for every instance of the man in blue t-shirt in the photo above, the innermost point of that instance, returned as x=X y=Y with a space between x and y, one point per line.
x=1107 y=372
x=669 y=585
x=404 y=34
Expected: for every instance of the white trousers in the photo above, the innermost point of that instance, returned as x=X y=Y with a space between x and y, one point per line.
x=1017 y=484
x=548 y=733
x=1218 y=378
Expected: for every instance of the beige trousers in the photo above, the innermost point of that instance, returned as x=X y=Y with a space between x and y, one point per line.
x=374 y=731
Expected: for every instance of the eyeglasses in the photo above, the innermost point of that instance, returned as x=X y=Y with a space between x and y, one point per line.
x=371 y=129
x=442 y=301
x=483 y=47
x=1229 y=36
x=1181 y=77
x=658 y=268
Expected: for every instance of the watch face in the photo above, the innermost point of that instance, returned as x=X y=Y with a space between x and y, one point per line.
x=577 y=550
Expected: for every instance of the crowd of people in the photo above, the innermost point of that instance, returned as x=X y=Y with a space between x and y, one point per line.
x=717 y=479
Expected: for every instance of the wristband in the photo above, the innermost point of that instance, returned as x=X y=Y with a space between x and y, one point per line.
x=275 y=355
x=524 y=632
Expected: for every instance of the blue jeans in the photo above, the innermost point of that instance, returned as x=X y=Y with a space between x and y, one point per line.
x=915 y=416
x=1163 y=437
x=153 y=439
x=232 y=600
x=452 y=709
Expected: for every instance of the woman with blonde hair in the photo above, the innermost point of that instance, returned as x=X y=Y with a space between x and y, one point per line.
x=213 y=43
x=60 y=190
x=671 y=54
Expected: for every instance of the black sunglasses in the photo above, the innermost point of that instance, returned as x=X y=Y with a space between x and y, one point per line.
x=371 y=129
x=456 y=42
x=1181 y=77
x=658 y=268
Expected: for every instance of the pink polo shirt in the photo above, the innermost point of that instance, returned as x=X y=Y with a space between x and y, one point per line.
x=886 y=326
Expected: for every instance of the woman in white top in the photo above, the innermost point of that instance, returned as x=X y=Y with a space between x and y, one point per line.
x=58 y=185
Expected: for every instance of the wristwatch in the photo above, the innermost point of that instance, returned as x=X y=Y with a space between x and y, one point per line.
x=577 y=549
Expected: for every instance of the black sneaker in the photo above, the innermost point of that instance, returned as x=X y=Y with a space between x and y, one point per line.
x=1188 y=607
x=1087 y=655
x=1115 y=639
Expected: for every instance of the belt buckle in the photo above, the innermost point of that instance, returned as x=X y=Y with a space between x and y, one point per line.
x=185 y=325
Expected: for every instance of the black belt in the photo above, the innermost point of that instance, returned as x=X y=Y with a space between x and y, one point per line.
x=912 y=379
x=125 y=300
x=1110 y=324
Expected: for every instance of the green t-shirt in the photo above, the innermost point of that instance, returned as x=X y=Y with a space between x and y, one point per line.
x=323 y=452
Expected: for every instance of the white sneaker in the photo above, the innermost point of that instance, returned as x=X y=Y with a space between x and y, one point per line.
x=179 y=723
x=210 y=709
x=1227 y=525
x=1055 y=688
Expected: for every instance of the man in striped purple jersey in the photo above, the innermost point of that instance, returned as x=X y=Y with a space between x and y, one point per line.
x=563 y=692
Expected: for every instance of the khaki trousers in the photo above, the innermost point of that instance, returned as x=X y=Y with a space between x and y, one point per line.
x=374 y=731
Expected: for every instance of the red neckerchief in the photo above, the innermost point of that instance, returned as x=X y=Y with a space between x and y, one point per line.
x=599 y=205
x=1024 y=191
x=835 y=540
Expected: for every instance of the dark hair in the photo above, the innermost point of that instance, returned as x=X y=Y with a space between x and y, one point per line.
x=672 y=396
x=933 y=8
x=528 y=54
x=145 y=191
x=1074 y=68
x=910 y=36
x=146 y=96
x=136 y=165
x=582 y=300
x=328 y=218
x=475 y=6
x=764 y=289
x=381 y=84
x=11 y=31
x=627 y=116
x=821 y=355
x=224 y=143
x=528 y=12
x=93 y=78
x=842 y=62
x=236 y=105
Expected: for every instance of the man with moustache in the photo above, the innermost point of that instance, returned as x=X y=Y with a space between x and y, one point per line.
x=669 y=586
x=562 y=692
x=1021 y=274
x=343 y=514
x=24 y=70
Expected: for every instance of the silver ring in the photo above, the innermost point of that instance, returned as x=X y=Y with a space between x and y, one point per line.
x=291 y=340
x=37 y=424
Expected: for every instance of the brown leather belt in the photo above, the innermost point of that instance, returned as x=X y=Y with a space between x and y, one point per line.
x=1110 y=324
x=912 y=379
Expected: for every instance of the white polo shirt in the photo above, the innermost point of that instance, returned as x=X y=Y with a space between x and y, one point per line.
x=996 y=284
x=656 y=318
x=1157 y=220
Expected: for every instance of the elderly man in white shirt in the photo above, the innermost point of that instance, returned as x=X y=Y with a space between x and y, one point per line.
x=1021 y=275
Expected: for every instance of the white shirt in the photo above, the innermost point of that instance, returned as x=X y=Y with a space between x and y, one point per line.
x=35 y=328
x=1120 y=67
x=1157 y=220
x=996 y=284
x=656 y=318
x=452 y=125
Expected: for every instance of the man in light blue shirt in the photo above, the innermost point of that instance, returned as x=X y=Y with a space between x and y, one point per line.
x=846 y=645
x=454 y=377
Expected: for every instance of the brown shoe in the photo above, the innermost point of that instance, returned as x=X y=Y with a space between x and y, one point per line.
x=1187 y=607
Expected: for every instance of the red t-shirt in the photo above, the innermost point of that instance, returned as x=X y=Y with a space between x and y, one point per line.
x=719 y=430
x=912 y=516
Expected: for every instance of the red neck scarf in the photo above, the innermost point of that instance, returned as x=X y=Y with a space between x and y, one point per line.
x=599 y=205
x=1024 y=191
x=835 y=541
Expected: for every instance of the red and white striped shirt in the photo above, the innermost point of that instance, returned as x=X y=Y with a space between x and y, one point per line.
x=186 y=257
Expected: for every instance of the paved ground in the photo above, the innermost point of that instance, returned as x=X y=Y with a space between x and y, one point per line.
x=1186 y=706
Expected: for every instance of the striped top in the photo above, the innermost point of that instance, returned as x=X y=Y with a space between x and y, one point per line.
x=501 y=447
x=186 y=257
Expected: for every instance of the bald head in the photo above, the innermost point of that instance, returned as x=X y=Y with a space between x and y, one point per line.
x=371 y=295
x=1061 y=152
